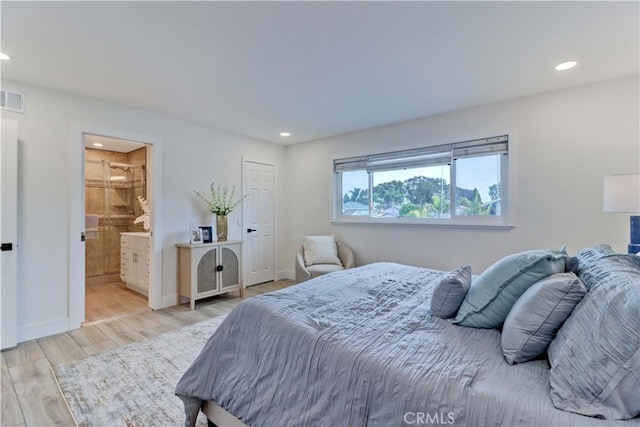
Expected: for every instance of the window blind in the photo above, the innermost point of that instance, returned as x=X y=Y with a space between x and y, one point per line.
x=422 y=157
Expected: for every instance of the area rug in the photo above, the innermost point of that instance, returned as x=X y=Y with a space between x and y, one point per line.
x=134 y=385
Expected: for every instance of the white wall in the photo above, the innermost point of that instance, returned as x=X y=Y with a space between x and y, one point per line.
x=193 y=156
x=562 y=144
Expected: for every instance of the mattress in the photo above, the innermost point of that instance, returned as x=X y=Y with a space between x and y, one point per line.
x=359 y=347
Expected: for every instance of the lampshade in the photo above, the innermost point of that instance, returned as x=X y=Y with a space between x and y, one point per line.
x=621 y=193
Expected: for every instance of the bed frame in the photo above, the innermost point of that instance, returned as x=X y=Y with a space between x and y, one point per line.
x=218 y=417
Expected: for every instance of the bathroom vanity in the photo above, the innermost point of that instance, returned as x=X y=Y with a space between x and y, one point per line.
x=134 y=261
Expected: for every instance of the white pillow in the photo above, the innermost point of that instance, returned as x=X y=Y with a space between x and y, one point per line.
x=320 y=250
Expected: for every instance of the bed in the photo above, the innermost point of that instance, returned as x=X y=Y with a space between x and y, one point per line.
x=359 y=347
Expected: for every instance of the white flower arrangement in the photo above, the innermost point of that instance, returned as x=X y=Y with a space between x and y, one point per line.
x=144 y=219
x=221 y=200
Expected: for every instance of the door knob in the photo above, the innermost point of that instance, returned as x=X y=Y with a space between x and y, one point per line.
x=249 y=230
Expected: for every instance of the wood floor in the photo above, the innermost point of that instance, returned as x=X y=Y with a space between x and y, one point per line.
x=109 y=300
x=30 y=396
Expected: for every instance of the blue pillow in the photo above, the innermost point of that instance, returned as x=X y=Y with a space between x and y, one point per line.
x=450 y=291
x=595 y=358
x=535 y=318
x=491 y=297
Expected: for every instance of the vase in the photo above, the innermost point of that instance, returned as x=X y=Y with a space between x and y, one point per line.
x=221 y=227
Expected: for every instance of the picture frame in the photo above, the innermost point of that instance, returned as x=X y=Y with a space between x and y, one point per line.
x=207 y=234
x=195 y=235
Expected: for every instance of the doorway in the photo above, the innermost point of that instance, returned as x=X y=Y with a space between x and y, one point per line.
x=258 y=222
x=77 y=279
x=116 y=277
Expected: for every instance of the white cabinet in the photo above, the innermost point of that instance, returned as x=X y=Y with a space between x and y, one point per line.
x=209 y=269
x=134 y=261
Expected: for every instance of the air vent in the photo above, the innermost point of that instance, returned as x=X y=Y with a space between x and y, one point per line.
x=12 y=101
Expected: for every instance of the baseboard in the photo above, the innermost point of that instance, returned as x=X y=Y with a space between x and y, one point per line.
x=138 y=289
x=102 y=280
x=169 y=300
x=286 y=274
x=43 y=329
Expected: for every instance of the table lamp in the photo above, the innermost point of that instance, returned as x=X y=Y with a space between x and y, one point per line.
x=622 y=194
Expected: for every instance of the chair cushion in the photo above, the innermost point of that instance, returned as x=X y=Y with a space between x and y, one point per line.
x=320 y=269
x=491 y=297
x=538 y=314
x=320 y=250
x=450 y=292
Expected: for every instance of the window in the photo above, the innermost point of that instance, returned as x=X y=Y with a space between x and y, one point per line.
x=461 y=183
x=355 y=199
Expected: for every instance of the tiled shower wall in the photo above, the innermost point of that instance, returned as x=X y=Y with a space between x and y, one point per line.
x=116 y=204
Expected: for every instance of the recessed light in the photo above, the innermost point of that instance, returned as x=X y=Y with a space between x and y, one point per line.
x=285 y=134
x=566 y=65
x=4 y=56
x=97 y=144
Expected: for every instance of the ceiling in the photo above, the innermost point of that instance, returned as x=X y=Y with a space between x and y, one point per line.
x=110 y=144
x=315 y=69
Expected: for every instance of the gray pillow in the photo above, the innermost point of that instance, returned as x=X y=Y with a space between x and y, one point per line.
x=538 y=314
x=587 y=256
x=598 y=272
x=595 y=358
x=571 y=264
x=450 y=291
x=491 y=297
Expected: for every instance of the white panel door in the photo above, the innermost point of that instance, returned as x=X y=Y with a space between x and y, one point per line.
x=9 y=233
x=258 y=216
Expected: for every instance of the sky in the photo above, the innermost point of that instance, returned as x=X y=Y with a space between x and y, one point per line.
x=475 y=172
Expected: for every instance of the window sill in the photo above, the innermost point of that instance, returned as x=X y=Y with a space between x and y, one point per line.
x=476 y=225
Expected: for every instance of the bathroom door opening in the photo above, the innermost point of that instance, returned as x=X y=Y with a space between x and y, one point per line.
x=117 y=255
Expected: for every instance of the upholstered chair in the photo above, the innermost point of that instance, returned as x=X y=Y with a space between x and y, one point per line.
x=306 y=272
